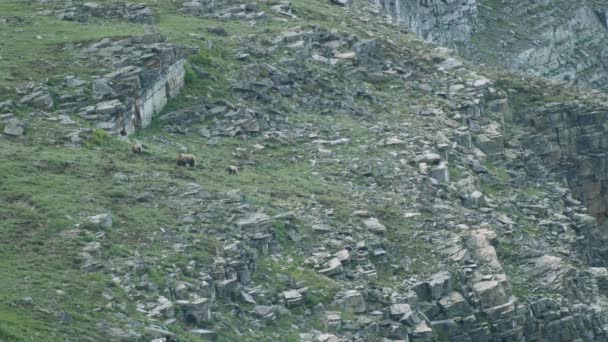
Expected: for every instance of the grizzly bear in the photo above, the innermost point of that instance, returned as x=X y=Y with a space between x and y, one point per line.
x=136 y=148
x=186 y=159
x=232 y=170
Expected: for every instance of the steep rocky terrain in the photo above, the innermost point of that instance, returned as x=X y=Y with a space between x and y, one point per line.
x=352 y=181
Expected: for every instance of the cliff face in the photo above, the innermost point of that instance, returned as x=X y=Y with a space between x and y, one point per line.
x=556 y=39
x=559 y=40
x=443 y=22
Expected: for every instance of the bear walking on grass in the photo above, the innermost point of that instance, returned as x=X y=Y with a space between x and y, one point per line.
x=186 y=159
x=136 y=148
x=232 y=170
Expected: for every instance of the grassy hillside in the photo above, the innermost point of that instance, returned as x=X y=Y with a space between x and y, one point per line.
x=341 y=150
x=48 y=191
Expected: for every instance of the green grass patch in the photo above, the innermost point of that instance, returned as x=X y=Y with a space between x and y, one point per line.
x=321 y=289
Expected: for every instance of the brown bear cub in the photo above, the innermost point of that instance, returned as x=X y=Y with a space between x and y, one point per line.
x=232 y=170
x=136 y=148
x=186 y=159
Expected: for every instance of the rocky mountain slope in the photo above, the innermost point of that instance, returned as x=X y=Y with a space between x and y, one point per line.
x=352 y=181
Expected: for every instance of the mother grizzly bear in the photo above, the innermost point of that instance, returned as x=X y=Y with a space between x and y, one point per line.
x=186 y=159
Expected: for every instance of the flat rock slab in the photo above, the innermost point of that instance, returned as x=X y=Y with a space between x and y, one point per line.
x=14 y=127
x=490 y=293
x=373 y=225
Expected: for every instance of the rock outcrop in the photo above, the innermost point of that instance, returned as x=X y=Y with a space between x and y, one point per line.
x=146 y=73
x=134 y=13
x=571 y=140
